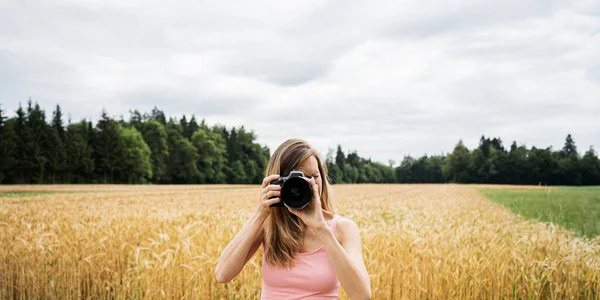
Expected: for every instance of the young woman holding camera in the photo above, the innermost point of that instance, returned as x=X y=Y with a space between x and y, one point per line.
x=308 y=252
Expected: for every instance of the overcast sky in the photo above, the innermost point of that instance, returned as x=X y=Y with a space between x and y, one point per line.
x=384 y=78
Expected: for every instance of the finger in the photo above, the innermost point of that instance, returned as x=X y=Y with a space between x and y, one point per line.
x=270 y=194
x=313 y=185
x=272 y=187
x=310 y=181
x=268 y=179
x=316 y=195
x=273 y=201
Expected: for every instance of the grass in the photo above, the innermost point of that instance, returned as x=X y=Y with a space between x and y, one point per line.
x=581 y=188
x=575 y=208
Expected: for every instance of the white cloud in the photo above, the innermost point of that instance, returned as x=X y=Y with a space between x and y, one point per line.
x=385 y=78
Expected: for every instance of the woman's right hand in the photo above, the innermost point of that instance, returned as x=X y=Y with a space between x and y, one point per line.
x=268 y=191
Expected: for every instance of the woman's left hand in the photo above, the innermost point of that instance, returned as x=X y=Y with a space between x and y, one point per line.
x=312 y=214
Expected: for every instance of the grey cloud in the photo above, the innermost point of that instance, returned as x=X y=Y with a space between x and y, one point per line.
x=281 y=71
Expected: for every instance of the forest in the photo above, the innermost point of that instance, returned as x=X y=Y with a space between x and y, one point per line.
x=151 y=148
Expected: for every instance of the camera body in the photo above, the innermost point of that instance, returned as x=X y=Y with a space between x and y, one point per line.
x=296 y=192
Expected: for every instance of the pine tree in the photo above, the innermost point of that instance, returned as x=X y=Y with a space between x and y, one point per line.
x=109 y=149
x=568 y=163
x=21 y=157
x=191 y=128
x=38 y=145
x=184 y=126
x=159 y=116
x=7 y=144
x=80 y=153
x=569 y=149
x=340 y=159
x=56 y=147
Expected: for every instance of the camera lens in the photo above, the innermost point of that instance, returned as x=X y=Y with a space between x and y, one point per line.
x=296 y=193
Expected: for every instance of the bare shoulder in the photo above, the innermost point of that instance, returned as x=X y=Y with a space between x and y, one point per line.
x=346 y=228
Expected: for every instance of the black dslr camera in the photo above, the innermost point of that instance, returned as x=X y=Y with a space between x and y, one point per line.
x=296 y=192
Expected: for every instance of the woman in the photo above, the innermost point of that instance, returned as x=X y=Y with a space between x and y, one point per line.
x=307 y=252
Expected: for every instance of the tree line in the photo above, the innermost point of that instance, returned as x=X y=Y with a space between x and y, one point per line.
x=149 y=148
x=490 y=163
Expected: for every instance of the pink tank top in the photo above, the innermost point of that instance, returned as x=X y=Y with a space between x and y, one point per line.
x=312 y=276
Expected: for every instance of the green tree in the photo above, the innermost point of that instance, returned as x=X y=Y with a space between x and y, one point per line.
x=334 y=172
x=57 y=156
x=517 y=165
x=590 y=168
x=544 y=167
x=80 y=160
x=238 y=174
x=481 y=170
x=137 y=166
x=159 y=116
x=252 y=171
x=21 y=157
x=155 y=136
x=184 y=126
x=568 y=163
x=340 y=158
x=569 y=149
x=372 y=172
x=456 y=164
x=387 y=172
x=110 y=149
x=419 y=170
x=36 y=147
x=182 y=164
x=404 y=170
x=212 y=155
x=7 y=144
x=434 y=169
x=148 y=148
x=351 y=173
x=488 y=162
x=136 y=119
x=191 y=128
x=252 y=156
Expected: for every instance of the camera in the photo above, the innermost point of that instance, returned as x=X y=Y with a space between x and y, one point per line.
x=296 y=192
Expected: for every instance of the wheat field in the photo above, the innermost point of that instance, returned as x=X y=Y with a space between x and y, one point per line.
x=153 y=242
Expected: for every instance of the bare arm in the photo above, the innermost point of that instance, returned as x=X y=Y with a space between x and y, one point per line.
x=243 y=246
x=346 y=258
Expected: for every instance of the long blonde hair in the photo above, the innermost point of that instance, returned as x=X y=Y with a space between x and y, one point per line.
x=283 y=231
